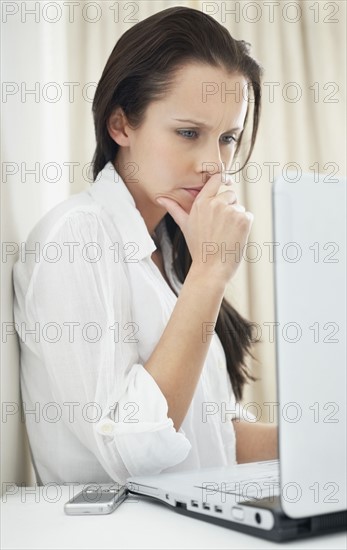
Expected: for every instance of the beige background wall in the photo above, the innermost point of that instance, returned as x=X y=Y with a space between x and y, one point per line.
x=301 y=47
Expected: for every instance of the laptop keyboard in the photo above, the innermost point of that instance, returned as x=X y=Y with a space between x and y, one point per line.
x=253 y=489
x=250 y=483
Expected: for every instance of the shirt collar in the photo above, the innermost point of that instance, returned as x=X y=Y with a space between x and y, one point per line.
x=110 y=191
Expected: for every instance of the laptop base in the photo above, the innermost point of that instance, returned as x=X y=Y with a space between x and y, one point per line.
x=284 y=529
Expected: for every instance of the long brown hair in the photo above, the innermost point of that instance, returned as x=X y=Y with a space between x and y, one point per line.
x=140 y=69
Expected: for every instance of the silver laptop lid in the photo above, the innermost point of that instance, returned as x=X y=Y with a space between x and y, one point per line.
x=309 y=218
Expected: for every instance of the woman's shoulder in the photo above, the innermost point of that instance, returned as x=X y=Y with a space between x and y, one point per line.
x=76 y=231
x=77 y=211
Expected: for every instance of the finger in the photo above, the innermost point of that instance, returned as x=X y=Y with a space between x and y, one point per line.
x=214 y=183
x=225 y=188
x=238 y=207
x=174 y=209
x=228 y=197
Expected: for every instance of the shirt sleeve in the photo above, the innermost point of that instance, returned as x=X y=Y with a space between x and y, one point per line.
x=81 y=303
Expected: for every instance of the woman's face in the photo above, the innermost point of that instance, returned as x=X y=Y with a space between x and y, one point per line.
x=167 y=155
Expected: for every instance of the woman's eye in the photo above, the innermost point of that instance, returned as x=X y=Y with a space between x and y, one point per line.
x=231 y=139
x=184 y=132
x=192 y=134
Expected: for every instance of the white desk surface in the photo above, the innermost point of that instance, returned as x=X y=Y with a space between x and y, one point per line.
x=37 y=521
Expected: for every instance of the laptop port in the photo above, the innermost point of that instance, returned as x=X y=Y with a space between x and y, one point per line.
x=205 y=506
x=237 y=513
x=218 y=509
x=180 y=504
x=194 y=503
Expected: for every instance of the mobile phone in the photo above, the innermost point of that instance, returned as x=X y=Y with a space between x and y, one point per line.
x=96 y=499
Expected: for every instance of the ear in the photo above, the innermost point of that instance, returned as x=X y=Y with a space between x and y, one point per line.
x=117 y=127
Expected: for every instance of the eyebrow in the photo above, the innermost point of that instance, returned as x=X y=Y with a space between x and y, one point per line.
x=204 y=125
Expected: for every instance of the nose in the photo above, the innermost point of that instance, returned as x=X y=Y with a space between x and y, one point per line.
x=209 y=160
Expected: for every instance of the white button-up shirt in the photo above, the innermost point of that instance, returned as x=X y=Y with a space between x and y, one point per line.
x=90 y=307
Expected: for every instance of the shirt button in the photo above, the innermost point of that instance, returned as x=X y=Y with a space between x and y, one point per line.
x=221 y=364
x=106 y=428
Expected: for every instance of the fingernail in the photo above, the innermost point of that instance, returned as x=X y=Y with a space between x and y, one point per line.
x=239 y=207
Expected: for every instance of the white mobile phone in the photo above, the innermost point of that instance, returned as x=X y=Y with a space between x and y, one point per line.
x=96 y=499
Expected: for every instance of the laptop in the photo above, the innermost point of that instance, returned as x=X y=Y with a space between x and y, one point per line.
x=304 y=492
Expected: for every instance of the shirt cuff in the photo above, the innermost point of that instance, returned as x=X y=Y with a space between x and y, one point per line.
x=141 y=430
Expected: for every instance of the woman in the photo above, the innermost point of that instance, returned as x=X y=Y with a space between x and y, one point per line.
x=126 y=374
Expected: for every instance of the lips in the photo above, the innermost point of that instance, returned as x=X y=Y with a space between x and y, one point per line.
x=193 y=190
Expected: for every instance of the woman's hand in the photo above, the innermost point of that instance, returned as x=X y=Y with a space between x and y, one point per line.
x=215 y=225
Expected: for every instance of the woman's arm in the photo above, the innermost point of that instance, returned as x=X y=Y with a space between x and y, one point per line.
x=177 y=361
x=255 y=441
